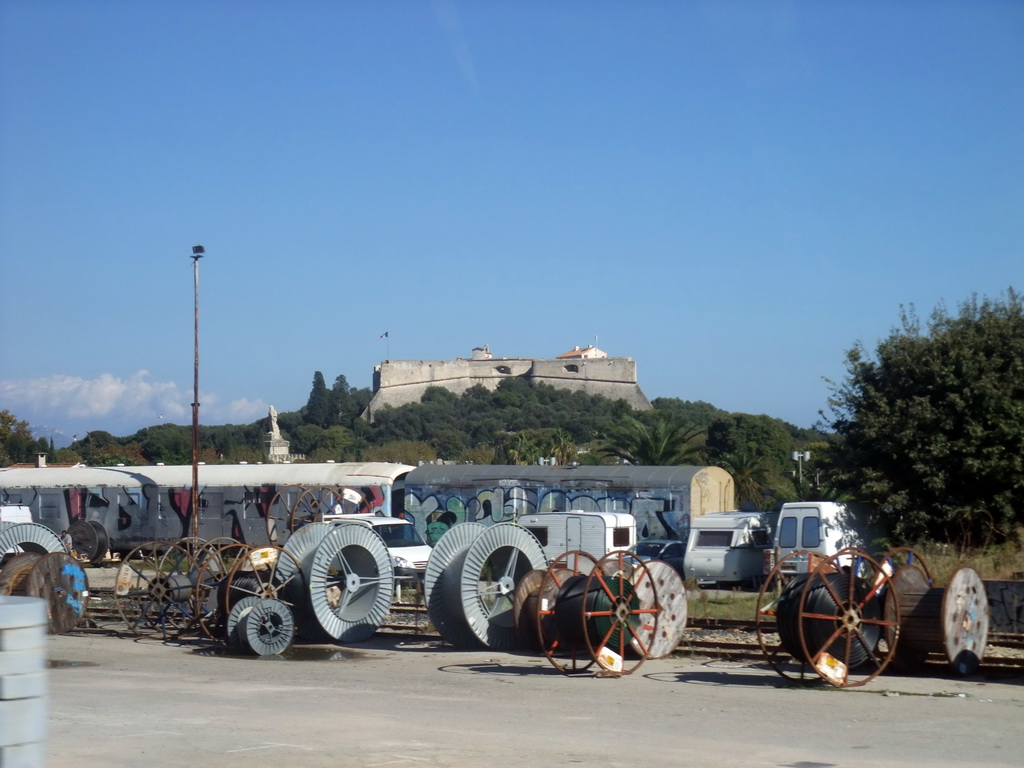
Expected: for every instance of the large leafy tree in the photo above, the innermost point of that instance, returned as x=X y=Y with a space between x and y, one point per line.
x=934 y=423
x=15 y=438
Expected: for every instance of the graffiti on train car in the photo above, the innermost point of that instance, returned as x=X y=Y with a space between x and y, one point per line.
x=437 y=508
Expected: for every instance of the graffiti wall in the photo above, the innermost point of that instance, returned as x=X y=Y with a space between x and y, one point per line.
x=660 y=514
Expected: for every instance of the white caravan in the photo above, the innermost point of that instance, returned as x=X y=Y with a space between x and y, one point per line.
x=824 y=527
x=595 y=532
x=729 y=547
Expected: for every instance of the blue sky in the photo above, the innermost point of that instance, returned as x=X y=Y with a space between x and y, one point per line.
x=731 y=193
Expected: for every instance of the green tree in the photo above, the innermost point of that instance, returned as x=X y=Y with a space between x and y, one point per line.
x=16 y=442
x=933 y=423
x=749 y=471
x=562 y=447
x=665 y=442
x=521 y=449
x=318 y=406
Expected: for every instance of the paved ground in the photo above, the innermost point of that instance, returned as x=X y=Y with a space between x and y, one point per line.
x=120 y=701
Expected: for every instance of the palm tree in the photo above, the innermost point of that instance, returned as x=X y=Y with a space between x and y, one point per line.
x=749 y=471
x=563 y=447
x=522 y=450
x=666 y=442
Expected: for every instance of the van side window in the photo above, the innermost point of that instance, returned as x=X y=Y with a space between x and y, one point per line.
x=810 y=536
x=787 y=533
x=620 y=537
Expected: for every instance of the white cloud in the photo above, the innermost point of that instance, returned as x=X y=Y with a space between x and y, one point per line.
x=118 y=405
x=77 y=398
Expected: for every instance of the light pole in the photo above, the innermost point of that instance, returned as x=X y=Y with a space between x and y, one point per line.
x=800 y=457
x=197 y=254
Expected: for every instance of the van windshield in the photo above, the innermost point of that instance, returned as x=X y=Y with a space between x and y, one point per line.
x=398 y=535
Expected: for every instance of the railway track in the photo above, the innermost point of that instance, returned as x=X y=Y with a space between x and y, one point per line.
x=716 y=638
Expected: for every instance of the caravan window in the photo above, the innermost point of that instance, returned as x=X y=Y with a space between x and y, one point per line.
x=810 y=535
x=620 y=537
x=714 y=538
x=540 y=533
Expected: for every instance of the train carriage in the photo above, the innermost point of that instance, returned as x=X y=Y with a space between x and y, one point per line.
x=248 y=502
x=662 y=499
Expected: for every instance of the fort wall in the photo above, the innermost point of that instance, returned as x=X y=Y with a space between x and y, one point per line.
x=400 y=382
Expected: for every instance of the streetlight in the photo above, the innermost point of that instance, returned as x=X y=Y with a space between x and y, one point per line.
x=800 y=457
x=197 y=253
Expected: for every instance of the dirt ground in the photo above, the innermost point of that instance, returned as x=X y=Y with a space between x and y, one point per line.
x=125 y=701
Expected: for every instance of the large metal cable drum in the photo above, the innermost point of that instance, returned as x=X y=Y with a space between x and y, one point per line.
x=841 y=620
x=302 y=545
x=441 y=583
x=30 y=537
x=493 y=565
x=455 y=540
x=89 y=539
x=445 y=608
x=351 y=582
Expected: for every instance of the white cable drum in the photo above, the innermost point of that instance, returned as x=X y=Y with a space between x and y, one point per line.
x=267 y=628
x=31 y=537
x=494 y=564
x=441 y=584
x=351 y=582
x=445 y=606
x=302 y=545
x=666 y=589
x=455 y=540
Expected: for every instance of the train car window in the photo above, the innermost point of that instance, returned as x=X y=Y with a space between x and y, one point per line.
x=49 y=506
x=96 y=499
x=13 y=498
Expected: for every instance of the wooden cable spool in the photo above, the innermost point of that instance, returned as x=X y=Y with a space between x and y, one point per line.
x=60 y=580
x=15 y=572
x=951 y=622
x=56 y=578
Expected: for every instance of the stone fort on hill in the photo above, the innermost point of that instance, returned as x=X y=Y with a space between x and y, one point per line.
x=399 y=382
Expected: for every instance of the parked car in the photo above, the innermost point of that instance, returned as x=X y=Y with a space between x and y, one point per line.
x=671 y=551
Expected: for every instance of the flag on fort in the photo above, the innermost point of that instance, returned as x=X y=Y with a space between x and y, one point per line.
x=384 y=335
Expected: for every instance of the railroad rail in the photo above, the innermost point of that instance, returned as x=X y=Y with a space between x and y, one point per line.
x=732 y=639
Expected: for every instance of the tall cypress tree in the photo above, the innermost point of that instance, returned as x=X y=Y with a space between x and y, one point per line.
x=318 y=405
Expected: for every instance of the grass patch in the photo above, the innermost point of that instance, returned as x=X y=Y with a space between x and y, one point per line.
x=735 y=605
x=1001 y=562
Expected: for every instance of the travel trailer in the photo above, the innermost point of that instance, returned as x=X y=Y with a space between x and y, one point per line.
x=824 y=527
x=595 y=532
x=729 y=547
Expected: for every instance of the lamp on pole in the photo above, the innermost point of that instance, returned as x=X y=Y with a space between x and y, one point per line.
x=197 y=253
x=800 y=457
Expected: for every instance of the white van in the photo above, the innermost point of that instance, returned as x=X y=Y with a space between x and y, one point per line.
x=595 y=532
x=409 y=552
x=825 y=527
x=729 y=547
